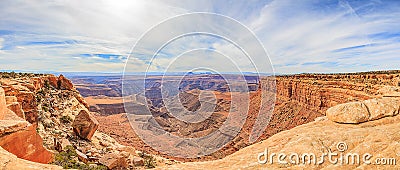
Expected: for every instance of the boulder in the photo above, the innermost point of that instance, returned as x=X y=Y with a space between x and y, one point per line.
x=85 y=125
x=379 y=108
x=137 y=161
x=113 y=161
x=81 y=100
x=64 y=84
x=354 y=112
x=368 y=110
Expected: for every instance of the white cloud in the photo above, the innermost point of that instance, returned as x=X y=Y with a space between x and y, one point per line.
x=300 y=37
x=299 y=34
x=1 y=43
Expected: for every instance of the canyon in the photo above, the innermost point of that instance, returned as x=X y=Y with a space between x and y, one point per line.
x=299 y=100
x=50 y=114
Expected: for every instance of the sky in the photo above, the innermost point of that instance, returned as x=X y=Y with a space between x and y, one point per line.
x=298 y=36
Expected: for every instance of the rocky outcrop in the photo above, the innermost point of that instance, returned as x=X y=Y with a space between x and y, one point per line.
x=318 y=92
x=60 y=127
x=26 y=144
x=64 y=84
x=40 y=101
x=355 y=112
x=10 y=126
x=379 y=108
x=10 y=161
x=26 y=90
x=358 y=112
x=85 y=125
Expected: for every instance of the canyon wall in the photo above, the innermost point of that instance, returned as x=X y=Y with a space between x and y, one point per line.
x=318 y=92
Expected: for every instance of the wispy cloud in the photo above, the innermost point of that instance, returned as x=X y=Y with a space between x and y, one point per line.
x=306 y=36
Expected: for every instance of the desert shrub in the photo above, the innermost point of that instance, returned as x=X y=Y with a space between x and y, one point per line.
x=149 y=160
x=44 y=108
x=68 y=160
x=66 y=119
x=46 y=84
x=47 y=123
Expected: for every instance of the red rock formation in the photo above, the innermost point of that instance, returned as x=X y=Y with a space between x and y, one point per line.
x=85 y=125
x=318 y=92
x=13 y=105
x=10 y=161
x=17 y=109
x=64 y=84
x=29 y=105
x=53 y=80
x=20 y=97
x=18 y=136
x=26 y=144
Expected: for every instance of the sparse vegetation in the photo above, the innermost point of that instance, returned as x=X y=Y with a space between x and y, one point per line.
x=17 y=75
x=44 y=108
x=46 y=84
x=68 y=160
x=66 y=119
x=149 y=160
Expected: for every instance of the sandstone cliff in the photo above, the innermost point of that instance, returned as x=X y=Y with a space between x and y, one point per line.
x=318 y=92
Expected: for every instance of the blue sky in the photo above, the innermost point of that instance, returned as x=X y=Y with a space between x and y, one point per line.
x=300 y=36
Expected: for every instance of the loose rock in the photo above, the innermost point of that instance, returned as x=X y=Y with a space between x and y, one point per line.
x=85 y=125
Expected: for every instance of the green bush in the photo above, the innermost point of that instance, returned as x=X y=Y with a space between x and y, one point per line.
x=66 y=119
x=68 y=160
x=44 y=108
x=149 y=160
